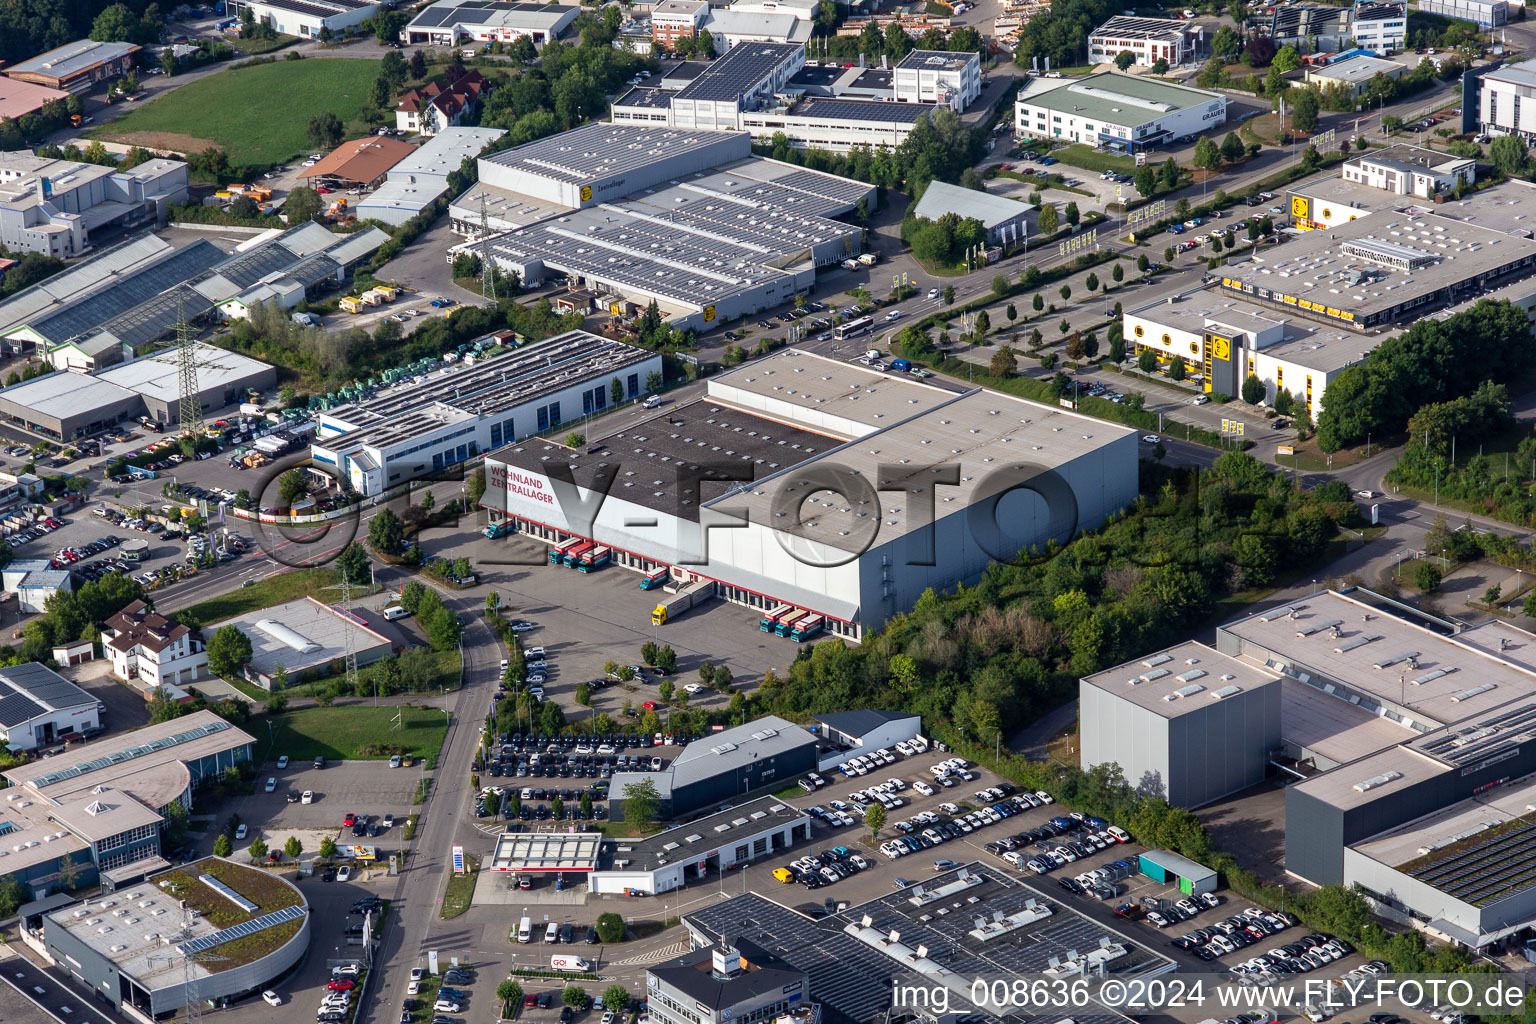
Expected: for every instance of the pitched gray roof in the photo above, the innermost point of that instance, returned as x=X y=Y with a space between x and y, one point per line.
x=857 y=723
x=940 y=197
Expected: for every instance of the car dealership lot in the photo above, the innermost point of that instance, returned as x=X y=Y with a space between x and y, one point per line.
x=361 y=787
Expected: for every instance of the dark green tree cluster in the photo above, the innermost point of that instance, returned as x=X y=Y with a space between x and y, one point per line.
x=28 y=27
x=1433 y=361
x=988 y=658
x=75 y=615
x=120 y=24
x=939 y=148
x=942 y=242
x=1062 y=32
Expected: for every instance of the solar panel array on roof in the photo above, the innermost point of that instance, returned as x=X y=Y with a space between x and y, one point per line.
x=1495 y=869
x=122 y=295
x=16 y=708
x=46 y=685
x=240 y=931
x=741 y=69
x=117 y=757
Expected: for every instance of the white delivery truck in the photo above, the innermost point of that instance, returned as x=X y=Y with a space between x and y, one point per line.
x=569 y=963
x=525 y=930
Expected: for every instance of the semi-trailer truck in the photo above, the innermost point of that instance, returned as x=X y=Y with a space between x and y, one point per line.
x=786 y=623
x=557 y=553
x=500 y=529
x=807 y=627
x=656 y=578
x=594 y=558
x=671 y=607
x=573 y=555
x=770 y=619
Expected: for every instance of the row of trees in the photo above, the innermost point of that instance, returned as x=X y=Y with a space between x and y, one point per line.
x=939 y=148
x=1433 y=361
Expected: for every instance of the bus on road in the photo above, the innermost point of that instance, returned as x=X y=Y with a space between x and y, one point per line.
x=853 y=328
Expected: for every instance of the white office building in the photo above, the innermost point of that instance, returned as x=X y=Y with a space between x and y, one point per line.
x=1504 y=100
x=1381 y=25
x=939 y=76
x=451 y=22
x=1148 y=39
x=414 y=428
x=305 y=18
x=51 y=206
x=39 y=707
x=1122 y=112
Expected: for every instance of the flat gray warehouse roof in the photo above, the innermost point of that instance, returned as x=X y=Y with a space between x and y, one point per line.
x=940 y=197
x=601 y=150
x=707 y=833
x=300 y=634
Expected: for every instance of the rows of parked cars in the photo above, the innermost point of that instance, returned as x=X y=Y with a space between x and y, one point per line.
x=825 y=868
x=448 y=999
x=337 y=1000
x=1308 y=953
x=959 y=824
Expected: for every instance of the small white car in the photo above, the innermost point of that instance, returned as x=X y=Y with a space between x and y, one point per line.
x=694 y=688
x=308 y=797
x=241 y=832
x=282 y=762
x=272 y=998
x=1151 y=439
x=344 y=873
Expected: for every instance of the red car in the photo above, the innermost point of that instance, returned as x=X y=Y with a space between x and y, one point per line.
x=342 y=985
x=530 y=1000
x=649 y=705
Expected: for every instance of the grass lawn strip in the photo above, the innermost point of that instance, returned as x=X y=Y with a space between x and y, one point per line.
x=286 y=586
x=353 y=733
x=259 y=115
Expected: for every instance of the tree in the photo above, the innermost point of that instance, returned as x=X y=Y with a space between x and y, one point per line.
x=1508 y=154
x=1142 y=263
x=1304 y=110
x=949 y=295
x=1091 y=282
x=1254 y=390
x=1066 y=293
x=983 y=324
x=353 y=565
x=1046 y=221
x=229 y=650
x=1116 y=344
x=1124 y=59
x=1071 y=214
x=642 y=804
x=293 y=847
x=1037 y=303
x=1176 y=369
x=386 y=28
x=617 y=391
x=1011 y=312
x=244 y=207
x=666 y=659
x=386 y=534
x=303 y=204
x=1232 y=148
x=411 y=595
x=325 y=130
x=1168 y=174
x=1275 y=84
x=616 y=997
x=1117 y=272
x=380 y=94
x=1004 y=362
x=508 y=991
x=292 y=486
x=874 y=819
x=1145 y=180
x=1286 y=59
x=1000 y=285
x=610 y=928
x=575 y=997
x=1225 y=43
x=1529 y=605
x=418 y=64
x=1207 y=154
x=327 y=848
x=258 y=850
x=1146 y=361
x=1160 y=66
x=1426 y=577
x=223 y=846
x=168 y=62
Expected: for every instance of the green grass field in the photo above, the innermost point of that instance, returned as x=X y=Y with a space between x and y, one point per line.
x=259 y=115
x=341 y=733
x=285 y=586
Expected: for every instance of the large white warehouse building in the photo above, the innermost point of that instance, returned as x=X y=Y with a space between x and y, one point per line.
x=807 y=482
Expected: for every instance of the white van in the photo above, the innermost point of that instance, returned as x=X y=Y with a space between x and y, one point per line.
x=552 y=933
x=525 y=930
x=652 y=402
x=394 y=612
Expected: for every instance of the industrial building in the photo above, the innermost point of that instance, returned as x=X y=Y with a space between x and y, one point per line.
x=1482 y=13
x=807 y=440
x=1230 y=340
x=129 y=947
x=1498 y=100
x=53 y=206
x=1311 y=28
x=1405 y=740
x=39 y=707
x=34 y=581
x=602 y=203
x=1005 y=220
x=1394 y=266
x=416 y=182
x=1117 y=111
x=66 y=404
x=724 y=767
x=306 y=18
x=1148 y=39
x=995 y=926
x=864 y=730
x=19 y=98
x=77 y=66
x=705 y=847
x=450 y=22
x=361 y=162
x=726 y=983
x=768 y=89
x=305 y=637
x=100 y=805
x=1354 y=73
x=415 y=428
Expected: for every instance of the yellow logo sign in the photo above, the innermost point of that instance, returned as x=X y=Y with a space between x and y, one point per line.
x=586 y=193
x=1299 y=206
x=1221 y=348
x=709 y=314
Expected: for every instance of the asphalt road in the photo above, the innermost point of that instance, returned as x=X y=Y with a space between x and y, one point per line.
x=21 y=980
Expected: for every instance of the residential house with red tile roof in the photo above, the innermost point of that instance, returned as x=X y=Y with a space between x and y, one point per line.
x=433 y=107
x=150 y=648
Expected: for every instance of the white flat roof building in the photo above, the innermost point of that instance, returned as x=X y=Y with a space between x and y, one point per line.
x=39 y=707
x=1354 y=73
x=305 y=18
x=1499 y=92
x=1123 y=112
x=1006 y=220
x=450 y=22
x=795 y=426
x=52 y=206
x=1149 y=39
x=303 y=636
x=939 y=76
x=415 y=427
x=416 y=182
